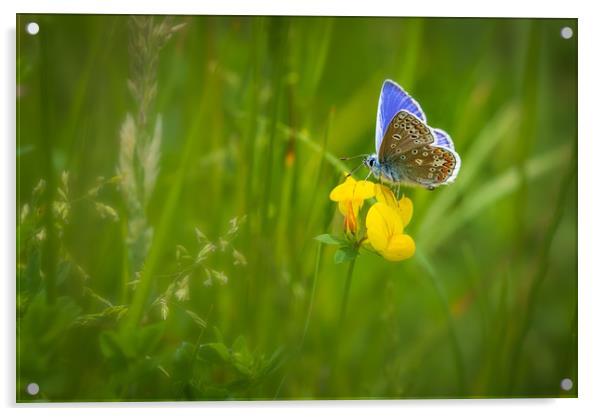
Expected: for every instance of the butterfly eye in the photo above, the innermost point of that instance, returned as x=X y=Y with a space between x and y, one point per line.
x=371 y=162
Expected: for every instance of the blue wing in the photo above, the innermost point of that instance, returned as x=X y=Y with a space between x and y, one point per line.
x=393 y=99
x=442 y=139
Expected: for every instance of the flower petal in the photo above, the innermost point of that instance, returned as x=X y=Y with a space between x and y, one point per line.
x=401 y=247
x=344 y=207
x=343 y=191
x=352 y=189
x=363 y=190
x=382 y=222
x=406 y=209
x=348 y=206
x=385 y=194
x=350 y=224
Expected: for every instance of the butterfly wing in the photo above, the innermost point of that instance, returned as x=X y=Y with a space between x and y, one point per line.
x=405 y=132
x=393 y=99
x=442 y=139
x=418 y=153
x=430 y=166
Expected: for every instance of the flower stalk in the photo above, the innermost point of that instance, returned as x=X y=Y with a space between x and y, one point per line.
x=381 y=230
x=346 y=291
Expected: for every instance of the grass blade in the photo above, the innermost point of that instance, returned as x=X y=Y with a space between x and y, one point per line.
x=491 y=192
x=490 y=136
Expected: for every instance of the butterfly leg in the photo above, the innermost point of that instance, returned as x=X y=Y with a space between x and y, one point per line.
x=398 y=188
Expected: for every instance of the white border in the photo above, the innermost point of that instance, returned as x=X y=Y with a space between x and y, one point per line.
x=590 y=275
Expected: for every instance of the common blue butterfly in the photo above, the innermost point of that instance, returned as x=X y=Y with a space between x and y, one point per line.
x=408 y=151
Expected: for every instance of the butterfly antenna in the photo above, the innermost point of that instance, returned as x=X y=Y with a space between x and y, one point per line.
x=353 y=157
x=354 y=170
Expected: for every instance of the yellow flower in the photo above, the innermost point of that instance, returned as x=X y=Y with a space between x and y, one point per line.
x=349 y=211
x=385 y=224
x=351 y=195
x=403 y=207
x=385 y=221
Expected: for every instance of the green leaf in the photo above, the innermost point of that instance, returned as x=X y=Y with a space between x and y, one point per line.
x=495 y=189
x=46 y=324
x=148 y=337
x=271 y=364
x=117 y=346
x=344 y=254
x=240 y=345
x=330 y=239
x=183 y=353
x=181 y=361
x=214 y=352
x=218 y=335
x=109 y=345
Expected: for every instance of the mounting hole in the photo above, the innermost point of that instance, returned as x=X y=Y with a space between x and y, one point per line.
x=33 y=389
x=32 y=28
x=566 y=32
x=566 y=384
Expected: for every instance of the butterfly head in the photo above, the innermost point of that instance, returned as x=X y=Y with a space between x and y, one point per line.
x=371 y=163
x=383 y=171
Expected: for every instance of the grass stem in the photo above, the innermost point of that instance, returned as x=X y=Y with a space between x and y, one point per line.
x=455 y=343
x=313 y=294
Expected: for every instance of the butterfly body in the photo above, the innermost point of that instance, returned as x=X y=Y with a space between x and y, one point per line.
x=408 y=151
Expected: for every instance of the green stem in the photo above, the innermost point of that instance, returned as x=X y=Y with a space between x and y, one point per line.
x=307 y=317
x=346 y=292
x=313 y=294
x=168 y=214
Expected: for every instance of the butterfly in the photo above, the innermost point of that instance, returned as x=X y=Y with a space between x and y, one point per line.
x=408 y=151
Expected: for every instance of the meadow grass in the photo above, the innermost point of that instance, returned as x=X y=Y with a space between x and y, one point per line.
x=232 y=297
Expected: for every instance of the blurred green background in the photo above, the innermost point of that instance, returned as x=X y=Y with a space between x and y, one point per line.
x=232 y=144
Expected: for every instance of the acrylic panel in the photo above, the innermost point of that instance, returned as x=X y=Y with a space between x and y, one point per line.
x=293 y=208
